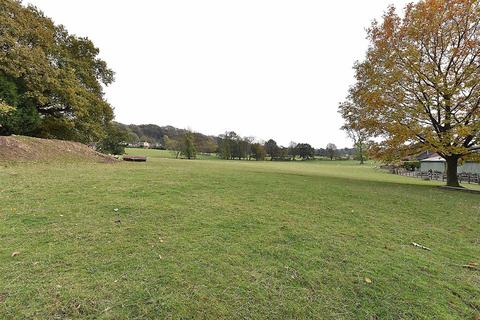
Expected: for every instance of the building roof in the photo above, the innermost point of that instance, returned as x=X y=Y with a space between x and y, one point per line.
x=425 y=155
x=436 y=158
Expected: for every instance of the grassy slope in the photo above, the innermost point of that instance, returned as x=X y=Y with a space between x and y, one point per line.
x=29 y=149
x=219 y=239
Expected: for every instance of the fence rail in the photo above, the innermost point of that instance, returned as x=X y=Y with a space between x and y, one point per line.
x=472 y=178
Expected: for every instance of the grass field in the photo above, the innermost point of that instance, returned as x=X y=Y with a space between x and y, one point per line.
x=165 y=154
x=233 y=240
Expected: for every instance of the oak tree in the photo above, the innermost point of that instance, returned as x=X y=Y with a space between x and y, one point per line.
x=58 y=78
x=419 y=87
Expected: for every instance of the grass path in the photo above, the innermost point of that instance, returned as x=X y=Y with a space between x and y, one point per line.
x=220 y=239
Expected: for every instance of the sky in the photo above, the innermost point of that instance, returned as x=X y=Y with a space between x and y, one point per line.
x=264 y=68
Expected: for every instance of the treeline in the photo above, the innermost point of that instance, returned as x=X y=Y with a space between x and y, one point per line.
x=228 y=146
x=232 y=146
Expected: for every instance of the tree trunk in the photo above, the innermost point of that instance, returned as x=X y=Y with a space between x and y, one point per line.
x=452 y=164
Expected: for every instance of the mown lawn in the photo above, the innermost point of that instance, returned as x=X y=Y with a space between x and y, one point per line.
x=166 y=154
x=233 y=240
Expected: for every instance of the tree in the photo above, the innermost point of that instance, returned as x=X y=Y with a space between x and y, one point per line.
x=58 y=79
x=115 y=140
x=292 y=150
x=172 y=145
x=331 y=150
x=282 y=154
x=205 y=144
x=258 y=151
x=189 y=151
x=5 y=111
x=272 y=149
x=305 y=151
x=358 y=135
x=244 y=147
x=360 y=139
x=419 y=86
x=227 y=145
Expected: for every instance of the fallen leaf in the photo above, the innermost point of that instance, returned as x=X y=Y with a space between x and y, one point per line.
x=16 y=253
x=368 y=280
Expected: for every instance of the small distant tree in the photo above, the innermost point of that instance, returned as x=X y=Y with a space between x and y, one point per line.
x=305 y=151
x=205 y=144
x=172 y=145
x=244 y=148
x=282 y=153
x=228 y=147
x=258 y=151
x=331 y=151
x=115 y=140
x=292 y=150
x=272 y=149
x=132 y=137
x=360 y=139
x=189 y=151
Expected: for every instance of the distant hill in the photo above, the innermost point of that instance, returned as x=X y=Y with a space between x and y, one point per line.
x=21 y=148
x=156 y=135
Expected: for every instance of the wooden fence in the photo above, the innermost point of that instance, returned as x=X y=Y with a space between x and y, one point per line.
x=473 y=178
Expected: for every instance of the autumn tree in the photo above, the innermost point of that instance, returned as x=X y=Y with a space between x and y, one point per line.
x=419 y=86
x=54 y=80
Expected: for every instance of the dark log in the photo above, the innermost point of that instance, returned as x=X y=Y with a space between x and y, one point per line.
x=135 y=158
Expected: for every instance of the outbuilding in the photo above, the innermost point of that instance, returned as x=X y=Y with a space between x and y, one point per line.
x=438 y=164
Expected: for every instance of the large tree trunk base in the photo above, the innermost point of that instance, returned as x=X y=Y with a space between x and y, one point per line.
x=452 y=175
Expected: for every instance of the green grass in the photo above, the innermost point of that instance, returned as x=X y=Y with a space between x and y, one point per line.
x=233 y=240
x=165 y=154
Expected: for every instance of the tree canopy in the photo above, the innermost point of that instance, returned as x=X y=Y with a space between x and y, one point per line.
x=53 y=79
x=419 y=86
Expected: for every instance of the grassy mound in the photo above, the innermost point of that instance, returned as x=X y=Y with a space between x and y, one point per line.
x=20 y=148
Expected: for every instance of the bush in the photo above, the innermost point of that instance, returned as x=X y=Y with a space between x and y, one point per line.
x=411 y=165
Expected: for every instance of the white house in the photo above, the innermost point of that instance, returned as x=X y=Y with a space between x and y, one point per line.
x=437 y=163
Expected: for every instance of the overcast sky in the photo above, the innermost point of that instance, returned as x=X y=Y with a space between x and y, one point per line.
x=265 y=68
